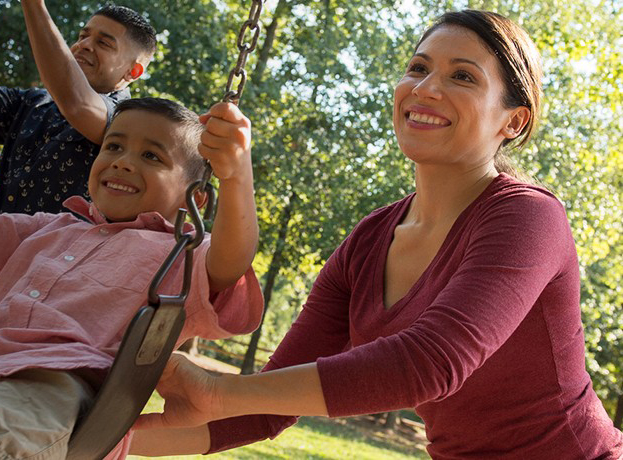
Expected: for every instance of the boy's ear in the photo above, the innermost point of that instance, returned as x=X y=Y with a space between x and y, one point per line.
x=201 y=198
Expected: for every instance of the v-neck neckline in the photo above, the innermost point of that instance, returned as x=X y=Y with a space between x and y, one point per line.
x=381 y=257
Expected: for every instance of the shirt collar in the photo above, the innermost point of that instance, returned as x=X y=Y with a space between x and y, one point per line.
x=147 y=220
x=119 y=94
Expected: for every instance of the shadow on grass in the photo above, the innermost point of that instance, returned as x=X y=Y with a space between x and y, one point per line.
x=345 y=431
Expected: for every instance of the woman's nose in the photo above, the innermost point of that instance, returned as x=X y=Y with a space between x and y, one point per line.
x=427 y=87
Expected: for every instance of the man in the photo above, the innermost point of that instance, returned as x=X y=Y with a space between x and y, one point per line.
x=51 y=136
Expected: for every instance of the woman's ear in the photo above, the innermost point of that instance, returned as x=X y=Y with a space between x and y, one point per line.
x=518 y=118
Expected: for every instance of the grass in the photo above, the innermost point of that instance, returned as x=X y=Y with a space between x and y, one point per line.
x=311 y=438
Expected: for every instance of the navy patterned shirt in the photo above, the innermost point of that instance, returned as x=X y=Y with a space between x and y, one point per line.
x=44 y=160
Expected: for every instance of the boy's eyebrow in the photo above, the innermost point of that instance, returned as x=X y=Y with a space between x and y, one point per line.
x=124 y=136
x=426 y=57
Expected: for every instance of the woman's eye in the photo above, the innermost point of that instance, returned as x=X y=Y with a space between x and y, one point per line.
x=417 y=68
x=151 y=156
x=462 y=75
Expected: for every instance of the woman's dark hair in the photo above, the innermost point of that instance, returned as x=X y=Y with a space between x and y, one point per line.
x=187 y=119
x=520 y=65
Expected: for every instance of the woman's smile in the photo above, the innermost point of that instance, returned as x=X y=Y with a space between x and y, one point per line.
x=419 y=117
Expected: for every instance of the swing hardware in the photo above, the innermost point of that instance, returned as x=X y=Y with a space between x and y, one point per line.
x=168 y=307
x=252 y=24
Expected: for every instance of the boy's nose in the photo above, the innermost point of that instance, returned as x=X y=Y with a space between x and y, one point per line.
x=123 y=162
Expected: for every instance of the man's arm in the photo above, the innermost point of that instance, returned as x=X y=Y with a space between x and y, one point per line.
x=83 y=108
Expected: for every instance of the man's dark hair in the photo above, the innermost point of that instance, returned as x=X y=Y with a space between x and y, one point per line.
x=139 y=30
x=187 y=119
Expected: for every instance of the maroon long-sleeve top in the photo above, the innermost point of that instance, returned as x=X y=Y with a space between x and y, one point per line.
x=487 y=345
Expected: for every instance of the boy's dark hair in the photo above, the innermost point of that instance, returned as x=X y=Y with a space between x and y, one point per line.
x=187 y=119
x=139 y=30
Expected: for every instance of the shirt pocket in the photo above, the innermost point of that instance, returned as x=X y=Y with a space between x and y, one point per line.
x=125 y=263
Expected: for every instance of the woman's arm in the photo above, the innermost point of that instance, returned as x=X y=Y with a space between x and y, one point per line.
x=170 y=441
x=194 y=396
x=487 y=298
x=327 y=323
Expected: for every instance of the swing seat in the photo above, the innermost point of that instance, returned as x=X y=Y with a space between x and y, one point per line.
x=143 y=354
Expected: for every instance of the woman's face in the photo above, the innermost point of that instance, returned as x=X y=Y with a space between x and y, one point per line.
x=448 y=106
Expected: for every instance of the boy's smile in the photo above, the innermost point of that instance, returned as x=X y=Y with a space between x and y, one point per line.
x=140 y=167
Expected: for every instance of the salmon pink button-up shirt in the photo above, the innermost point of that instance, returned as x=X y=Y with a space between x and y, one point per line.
x=69 y=287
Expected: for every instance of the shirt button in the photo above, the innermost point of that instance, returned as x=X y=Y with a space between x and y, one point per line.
x=34 y=293
x=10 y=198
x=103 y=231
x=69 y=258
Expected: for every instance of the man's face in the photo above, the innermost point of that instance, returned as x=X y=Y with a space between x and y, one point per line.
x=106 y=54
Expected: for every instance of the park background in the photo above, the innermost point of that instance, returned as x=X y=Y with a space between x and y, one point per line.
x=319 y=95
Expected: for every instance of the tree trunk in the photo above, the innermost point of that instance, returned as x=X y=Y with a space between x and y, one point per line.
x=618 y=414
x=390 y=420
x=248 y=364
x=271 y=32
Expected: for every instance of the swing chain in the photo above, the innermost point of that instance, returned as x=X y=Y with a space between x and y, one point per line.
x=252 y=24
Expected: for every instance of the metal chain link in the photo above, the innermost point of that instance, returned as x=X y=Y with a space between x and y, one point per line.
x=251 y=25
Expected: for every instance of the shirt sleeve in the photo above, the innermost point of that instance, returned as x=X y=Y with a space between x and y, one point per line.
x=235 y=310
x=111 y=101
x=519 y=246
x=14 y=229
x=320 y=330
x=10 y=101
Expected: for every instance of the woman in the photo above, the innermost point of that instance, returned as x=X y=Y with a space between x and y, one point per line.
x=461 y=300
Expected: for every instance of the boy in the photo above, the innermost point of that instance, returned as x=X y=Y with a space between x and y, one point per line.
x=69 y=287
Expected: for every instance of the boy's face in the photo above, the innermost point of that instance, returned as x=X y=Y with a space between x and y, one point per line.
x=140 y=167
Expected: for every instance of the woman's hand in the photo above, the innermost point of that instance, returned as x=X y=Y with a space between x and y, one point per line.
x=194 y=396
x=189 y=394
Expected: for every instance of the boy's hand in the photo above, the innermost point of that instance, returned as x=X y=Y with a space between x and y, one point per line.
x=226 y=141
